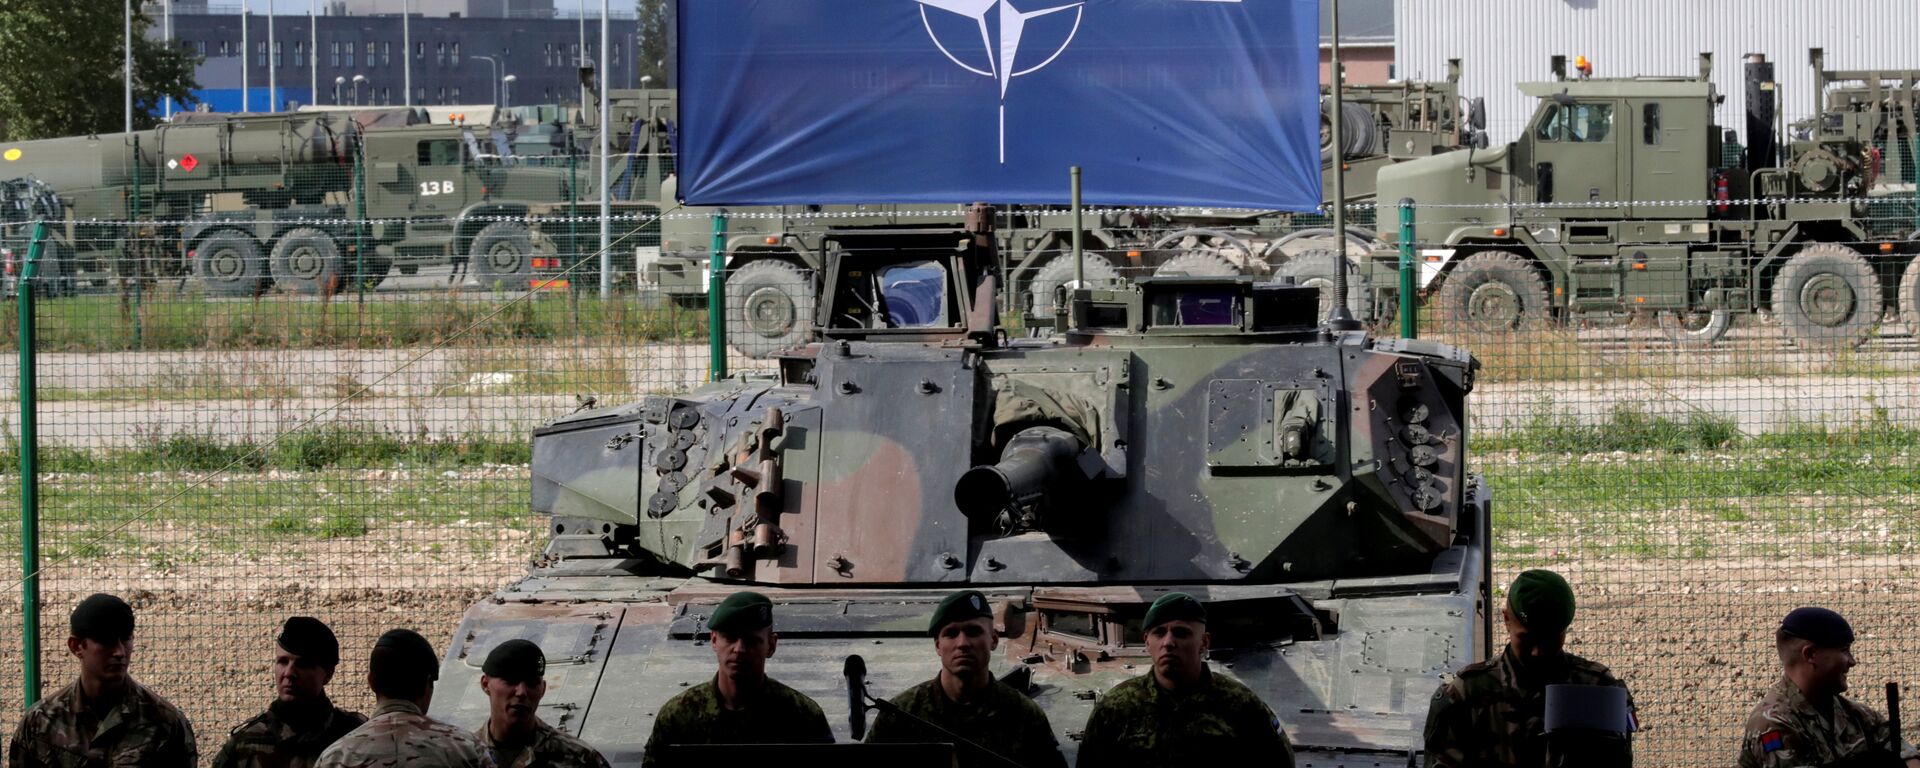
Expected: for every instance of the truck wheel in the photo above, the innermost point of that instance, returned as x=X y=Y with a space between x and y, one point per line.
x=1058 y=271
x=228 y=263
x=769 y=307
x=1315 y=268
x=1827 y=297
x=307 y=260
x=1910 y=296
x=1197 y=264
x=1695 y=329
x=1492 y=292
x=502 y=254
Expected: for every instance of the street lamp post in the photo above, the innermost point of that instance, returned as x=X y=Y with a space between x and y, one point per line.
x=273 y=67
x=506 y=91
x=337 y=82
x=494 y=78
x=246 y=100
x=357 y=80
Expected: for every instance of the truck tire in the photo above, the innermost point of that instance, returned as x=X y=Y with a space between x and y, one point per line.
x=1910 y=296
x=1492 y=292
x=1315 y=268
x=1197 y=264
x=228 y=263
x=769 y=307
x=1057 y=272
x=1827 y=297
x=307 y=260
x=1695 y=330
x=501 y=254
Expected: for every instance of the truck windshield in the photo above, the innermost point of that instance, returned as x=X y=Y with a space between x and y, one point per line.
x=1588 y=123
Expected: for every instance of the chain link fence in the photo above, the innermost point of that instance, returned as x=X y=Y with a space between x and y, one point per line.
x=1703 y=425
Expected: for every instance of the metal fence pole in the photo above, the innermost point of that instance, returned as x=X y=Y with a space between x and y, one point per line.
x=1079 y=258
x=29 y=475
x=139 y=256
x=717 y=300
x=1409 y=317
x=360 y=222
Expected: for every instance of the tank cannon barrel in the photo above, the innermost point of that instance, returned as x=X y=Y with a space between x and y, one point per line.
x=1036 y=463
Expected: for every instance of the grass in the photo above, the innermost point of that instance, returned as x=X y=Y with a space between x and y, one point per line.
x=187 y=322
x=340 y=446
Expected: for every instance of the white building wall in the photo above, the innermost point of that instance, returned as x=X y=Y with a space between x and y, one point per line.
x=1501 y=42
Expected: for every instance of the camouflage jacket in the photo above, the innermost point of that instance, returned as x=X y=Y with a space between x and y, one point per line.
x=1138 y=723
x=696 y=716
x=1786 y=731
x=999 y=719
x=401 y=735
x=1493 y=713
x=144 y=729
x=287 y=735
x=549 y=748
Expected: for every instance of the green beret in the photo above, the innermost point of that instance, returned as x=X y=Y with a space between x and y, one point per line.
x=515 y=661
x=1541 y=600
x=960 y=606
x=102 y=618
x=404 y=654
x=742 y=612
x=310 y=638
x=1174 y=606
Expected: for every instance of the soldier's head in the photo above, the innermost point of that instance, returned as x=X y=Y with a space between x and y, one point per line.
x=741 y=632
x=403 y=667
x=102 y=638
x=1177 y=640
x=1539 y=609
x=962 y=629
x=304 y=657
x=1816 y=650
x=514 y=678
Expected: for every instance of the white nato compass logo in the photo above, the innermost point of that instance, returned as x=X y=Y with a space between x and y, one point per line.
x=1001 y=38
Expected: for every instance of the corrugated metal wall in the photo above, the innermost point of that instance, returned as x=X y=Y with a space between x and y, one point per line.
x=1502 y=42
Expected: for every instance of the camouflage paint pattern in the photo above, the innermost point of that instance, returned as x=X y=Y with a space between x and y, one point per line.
x=1788 y=731
x=549 y=748
x=1493 y=713
x=998 y=719
x=697 y=716
x=286 y=735
x=1138 y=723
x=145 y=729
x=397 y=735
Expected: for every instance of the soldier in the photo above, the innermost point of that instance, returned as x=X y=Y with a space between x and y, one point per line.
x=1803 y=720
x=301 y=722
x=1181 y=710
x=514 y=678
x=105 y=716
x=401 y=671
x=1493 y=713
x=967 y=701
x=741 y=704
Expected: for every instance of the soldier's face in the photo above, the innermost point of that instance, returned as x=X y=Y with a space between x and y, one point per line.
x=296 y=678
x=1534 y=647
x=1830 y=666
x=102 y=661
x=1178 y=649
x=966 y=647
x=743 y=657
x=513 y=702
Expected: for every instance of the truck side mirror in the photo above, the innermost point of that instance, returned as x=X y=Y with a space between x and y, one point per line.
x=1477 y=113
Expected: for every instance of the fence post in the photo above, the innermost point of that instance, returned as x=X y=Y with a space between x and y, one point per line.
x=138 y=250
x=360 y=222
x=717 y=300
x=1409 y=312
x=29 y=474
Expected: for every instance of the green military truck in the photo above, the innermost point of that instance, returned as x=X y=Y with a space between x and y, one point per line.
x=1615 y=201
x=774 y=253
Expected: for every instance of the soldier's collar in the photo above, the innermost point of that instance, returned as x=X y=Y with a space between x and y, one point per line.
x=391 y=706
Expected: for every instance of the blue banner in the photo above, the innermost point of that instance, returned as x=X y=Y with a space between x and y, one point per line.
x=1161 y=102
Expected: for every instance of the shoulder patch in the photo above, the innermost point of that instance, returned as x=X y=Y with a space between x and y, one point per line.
x=1771 y=741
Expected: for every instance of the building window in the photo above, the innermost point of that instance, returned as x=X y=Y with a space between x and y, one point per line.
x=546 y=95
x=278 y=59
x=386 y=54
x=299 y=54
x=456 y=94
x=616 y=55
x=549 y=54
x=223 y=50
x=420 y=52
x=260 y=52
x=420 y=95
x=573 y=53
x=442 y=93
x=333 y=54
x=440 y=54
x=349 y=57
x=456 y=54
x=200 y=47
x=370 y=51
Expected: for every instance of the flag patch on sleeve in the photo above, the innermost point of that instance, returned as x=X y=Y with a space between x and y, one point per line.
x=1771 y=741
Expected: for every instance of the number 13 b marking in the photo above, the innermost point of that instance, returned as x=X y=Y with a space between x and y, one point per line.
x=428 y=188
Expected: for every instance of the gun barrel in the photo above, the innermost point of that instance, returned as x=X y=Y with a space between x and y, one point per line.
x=1031 y=466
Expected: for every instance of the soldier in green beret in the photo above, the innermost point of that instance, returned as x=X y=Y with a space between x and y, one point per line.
x=514 y=678
x=1182 y=710
x=1493 y=713
x=741 y=704
x=966 y=699
x=105 y=716
x=301 y=722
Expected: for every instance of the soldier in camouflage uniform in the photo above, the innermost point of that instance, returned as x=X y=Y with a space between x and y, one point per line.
x=741 y=704
x=1492 y=714
x=1803 y=720
x=1181 y=710
x=105 y=717
x=401 y=671
x=967 y=701
x=301 y=722
x=514 y=678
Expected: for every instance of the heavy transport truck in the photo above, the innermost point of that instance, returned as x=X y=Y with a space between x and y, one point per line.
x=774 y=253
x=1613 y=202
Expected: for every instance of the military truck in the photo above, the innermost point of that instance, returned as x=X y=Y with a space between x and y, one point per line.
x=1195 y=433
x=774 y=253
x=1613 y=201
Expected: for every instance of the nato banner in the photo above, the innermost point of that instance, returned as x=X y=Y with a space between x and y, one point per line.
x=1161 y=102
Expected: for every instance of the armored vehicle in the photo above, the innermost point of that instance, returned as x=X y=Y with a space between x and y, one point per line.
x=1615 y=200
x=774 y=254
x=1184 y=433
